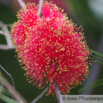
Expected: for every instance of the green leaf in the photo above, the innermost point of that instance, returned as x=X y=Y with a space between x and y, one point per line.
x=7 y=99
x=89 y=87
x=97 y=58
x=4 y=91
x=100 y=80
x=98 y=62
x=97 y=53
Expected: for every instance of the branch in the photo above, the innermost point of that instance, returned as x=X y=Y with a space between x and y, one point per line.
x=40 y=7
x=1 y=32
x=58 y=94
x=5 y=32
x=5 y=47
x=16 y=95
x=21 y=3
x=40 y=95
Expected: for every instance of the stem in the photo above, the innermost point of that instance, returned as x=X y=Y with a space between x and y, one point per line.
x=40 y=7
x=9 y=76
x=58 y=94
x=40 y=95
x=22 y=4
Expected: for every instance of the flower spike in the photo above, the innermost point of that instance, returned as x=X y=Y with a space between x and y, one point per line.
x=51 y=48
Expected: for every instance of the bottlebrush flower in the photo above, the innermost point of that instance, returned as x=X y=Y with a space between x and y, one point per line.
x=51 y=48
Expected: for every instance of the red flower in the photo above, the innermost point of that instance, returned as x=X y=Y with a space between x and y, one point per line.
x=52 y=48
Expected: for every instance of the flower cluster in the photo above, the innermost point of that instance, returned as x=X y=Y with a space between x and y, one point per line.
x=51 y=48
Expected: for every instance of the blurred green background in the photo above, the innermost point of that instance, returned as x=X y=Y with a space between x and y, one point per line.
x=81 y=12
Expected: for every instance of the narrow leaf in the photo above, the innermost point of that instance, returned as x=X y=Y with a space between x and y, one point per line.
x=98 y=62
x=98 y=58
x=95 y=52
x=7 y=99
x=89 y=87
x=4 y=91
x=100 y=80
